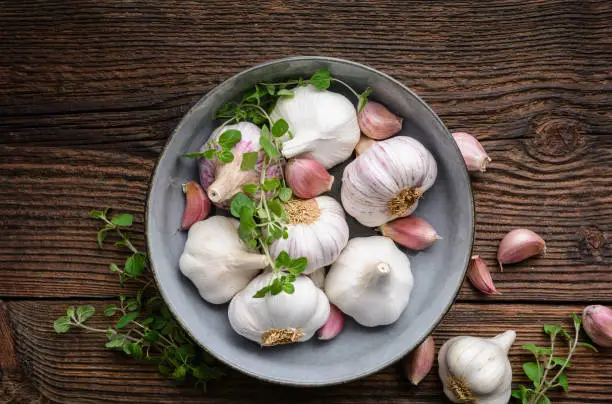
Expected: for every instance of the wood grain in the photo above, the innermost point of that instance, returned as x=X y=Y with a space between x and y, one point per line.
x=74 y=368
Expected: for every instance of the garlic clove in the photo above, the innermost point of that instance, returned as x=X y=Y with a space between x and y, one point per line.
x=411 y=232
x=474 y=155
x=597 y=322
x=197 y=205
x=363 y=144
x=518 y=245
x=307 y=178
x=333 y=325
x=479 y=275
x=377 y=122
x=420 y=361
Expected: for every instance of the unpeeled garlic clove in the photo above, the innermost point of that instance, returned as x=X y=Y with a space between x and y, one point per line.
x=518 y=245
x=597 y=322
x=411 y=232
x=363 y=144
x=307 y=178
x=197 y=205
x=377 y=122
x=479 y=275
x=333 y=325
x=474 y=155
x=420 y=361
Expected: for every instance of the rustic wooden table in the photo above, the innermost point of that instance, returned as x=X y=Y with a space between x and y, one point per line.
x=90 y=91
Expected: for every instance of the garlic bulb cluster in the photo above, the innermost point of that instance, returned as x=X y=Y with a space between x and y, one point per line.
x=323 y=123
x=222 y=181
x=370 y=281
x=386 y=180
x=317 y=230
x=282 y=318
x=217 y=261
x=477 y=370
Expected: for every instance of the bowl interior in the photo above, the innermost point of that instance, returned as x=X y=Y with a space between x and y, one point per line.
x=357 y=351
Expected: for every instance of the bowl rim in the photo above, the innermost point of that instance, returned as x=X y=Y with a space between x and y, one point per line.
x=175 y=311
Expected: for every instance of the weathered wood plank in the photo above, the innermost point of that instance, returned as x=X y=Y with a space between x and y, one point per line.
x=75 y=368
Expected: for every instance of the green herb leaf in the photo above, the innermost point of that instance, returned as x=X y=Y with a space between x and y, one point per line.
x=298 y=265
x=270 y=184
x=283 y=260
x=125 y=320
x=135 y=264
x=110 y=310
x=151 y=335
x=288 y=288
x=271 y=89
x=225 y=156
x=279 y=128
x=132 y=305
x=561 y=362
x=268 y=146
x=284 y=92
x=97 y=214
x=276 y=287
x=563 y=382
x=275 y=206
x=285 y=194
x=116 y=342
x=532 y=371
x=179 y=373
x=102 y=236
x=577 y=321
x=543 y=400
x=363 y=99
x=229 y=139
x=70 y=312
x=250 y=188
x=587 y=345
x=552 y=330
x=123 y=220
x=238 y=202
x=83 y=313
x=247 y=223
x=62 y=325
x=537 y=351
x=321 y=79
x=208 y=154
x=114 y=268
x=249 y=160
x=261 y=292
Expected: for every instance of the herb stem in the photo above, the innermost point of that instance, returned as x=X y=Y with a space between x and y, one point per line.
x=347 y=86
x=263 y=111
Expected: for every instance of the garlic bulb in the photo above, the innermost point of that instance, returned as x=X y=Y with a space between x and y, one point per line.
x=317 y=230
x=222 y=181
x=279 y=319
x=318 y=277
x=477 y=370
x=386 y=180
x=323 y=123
x=217 y=261
x=370 y=281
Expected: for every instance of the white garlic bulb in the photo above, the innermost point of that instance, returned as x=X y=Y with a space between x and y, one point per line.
x=318 y=277
x=217 y=261
x=386 y=181
x=323 y=123
x=370 y=281
x=282 y=318
x=317 y=230
x=477 y=370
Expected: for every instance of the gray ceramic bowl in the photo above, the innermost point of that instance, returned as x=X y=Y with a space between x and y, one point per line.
x=357 y=351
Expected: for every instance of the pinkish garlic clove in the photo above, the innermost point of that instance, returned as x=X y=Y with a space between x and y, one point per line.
x=197 y=205
x=420 y=361
x=518 y=245
x=307 y=178
x=377 y=122
x=474 y=155
x=478 y=273
x=597 y=322
x=363 y=144
x=411 y=232
x=333 y=325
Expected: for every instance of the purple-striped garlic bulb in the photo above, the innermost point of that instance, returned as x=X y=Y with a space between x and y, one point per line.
x=222 y=181
x=386 y=180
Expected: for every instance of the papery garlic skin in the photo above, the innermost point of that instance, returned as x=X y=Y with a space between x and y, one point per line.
x=217 y=262
x=370 y=281
x=323 y=123
x=307 y=178
x=477 y=370
x=377 y=122
x=474 y=155
x=420 y=361
x=386 y=181
x=222 y=181
x=597 y=322
x=320 y=241
x=279 y=319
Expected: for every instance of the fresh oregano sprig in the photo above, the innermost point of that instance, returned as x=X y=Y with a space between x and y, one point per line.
x=222 y=148
x=142 y=326
x=547 y=372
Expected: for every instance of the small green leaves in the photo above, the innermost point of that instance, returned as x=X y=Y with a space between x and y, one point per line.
x=552 y=330
x=563 y=382
x=268 y=146
x=587 y=345
x=229 y=139
x=577 y=321
x=279 y=128
x=238 y=202
x=125 y=320
x=285 y=92
x=533 y=372
x=285 y=194
x=321 y=79
x=98 y=214
x=62 y=325
x=362 y=99
x=83 y=313
x=101 y=236
x=208 y=154
x=110 y=310
x=271 y=184
x=249 y=160
x=135 y=264
x=124 y=220
x=250 y=188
